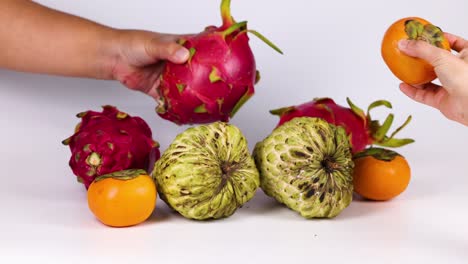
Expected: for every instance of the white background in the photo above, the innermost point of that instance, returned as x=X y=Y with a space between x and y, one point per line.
x=332 y=48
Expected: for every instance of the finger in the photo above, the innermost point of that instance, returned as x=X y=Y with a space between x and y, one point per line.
x=175 y=37
x=423 y=50
x=153 y=91
x=152 y=81
x=456 y=43
x=446 y=64
x=167 y=50
x=143 y=79
x=429 y=94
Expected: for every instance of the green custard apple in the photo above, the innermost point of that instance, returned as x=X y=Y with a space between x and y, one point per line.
x=207 y=172
x=307 y=165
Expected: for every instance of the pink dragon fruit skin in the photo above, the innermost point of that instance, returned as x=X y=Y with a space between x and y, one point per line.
x=362 y=130
x=110 y=141
x=218 y=78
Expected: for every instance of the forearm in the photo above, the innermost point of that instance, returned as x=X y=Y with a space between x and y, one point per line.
x=37 y=39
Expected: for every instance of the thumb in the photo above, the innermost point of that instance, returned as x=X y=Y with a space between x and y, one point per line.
x=437 y=57
x=167 y=50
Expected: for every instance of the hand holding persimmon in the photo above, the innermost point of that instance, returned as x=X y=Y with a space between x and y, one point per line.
x=411 y=70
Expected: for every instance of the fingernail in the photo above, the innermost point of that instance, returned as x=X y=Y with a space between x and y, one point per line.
x=182 y=54
x=402 y=44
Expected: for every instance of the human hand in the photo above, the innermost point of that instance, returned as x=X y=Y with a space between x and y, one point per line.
x=140 y=57
x=452 y=70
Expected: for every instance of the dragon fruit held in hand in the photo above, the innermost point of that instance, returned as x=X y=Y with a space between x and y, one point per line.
x=109 y=141
x=218 y=78
x=360 y=127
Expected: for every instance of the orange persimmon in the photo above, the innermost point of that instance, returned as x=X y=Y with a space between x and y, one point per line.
x=123 y=198
x=408 y=69
x=380 y=174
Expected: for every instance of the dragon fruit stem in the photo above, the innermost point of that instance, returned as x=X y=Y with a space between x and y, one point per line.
x=228 y=20
x=379 y=135
x=241 y=102
x=356 y=110
x=264 y=39
x=282 y=111
x=377 y=104
x=257 y=76
x=234 y=27
x=378 y=132
x=395 y=142
x=66 y=141
x=230 y=26
x=402 y=126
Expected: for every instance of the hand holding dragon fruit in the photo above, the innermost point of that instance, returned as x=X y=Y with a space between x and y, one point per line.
x=109 y=141
x=360 y=127
x=218 y=78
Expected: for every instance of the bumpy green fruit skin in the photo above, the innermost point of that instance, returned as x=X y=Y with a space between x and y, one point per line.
x=307 y=165
x=207 y=172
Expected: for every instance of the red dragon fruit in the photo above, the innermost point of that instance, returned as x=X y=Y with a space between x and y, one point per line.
x=218 y=78
x=109 y=141
x=360 y=127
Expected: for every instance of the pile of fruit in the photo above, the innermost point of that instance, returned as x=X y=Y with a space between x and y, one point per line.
x=318 y=155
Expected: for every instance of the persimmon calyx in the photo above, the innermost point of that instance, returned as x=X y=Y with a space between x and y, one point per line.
x=123 y=175
x=377 y=153
x=428 y=33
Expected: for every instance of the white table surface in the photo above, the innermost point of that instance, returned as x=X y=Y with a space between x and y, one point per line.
x=43 y=210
